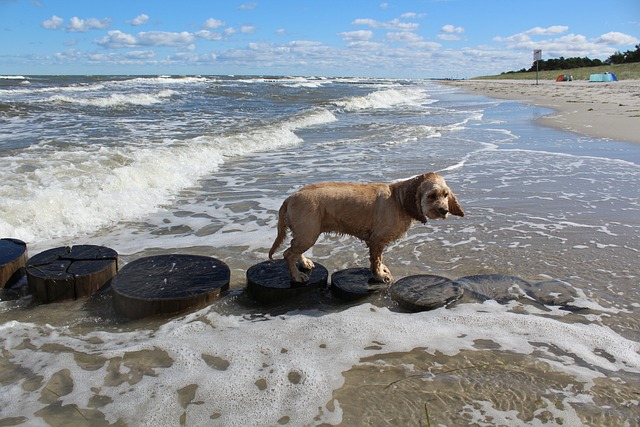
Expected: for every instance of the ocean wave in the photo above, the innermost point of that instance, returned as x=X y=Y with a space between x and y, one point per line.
x=72 y=88
x=64 y=194
x=387 y=98
x=164 y=80
x=115 y=100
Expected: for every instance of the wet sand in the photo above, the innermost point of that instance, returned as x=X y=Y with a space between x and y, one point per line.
x=603 y=110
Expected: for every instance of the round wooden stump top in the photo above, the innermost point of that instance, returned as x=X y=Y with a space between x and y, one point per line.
x=499 y=287
x=355 y=283
x=552 y=292
x=168 y=284
x=13 y=259
x=270 y=281
x=425 y=292
x=70 y=272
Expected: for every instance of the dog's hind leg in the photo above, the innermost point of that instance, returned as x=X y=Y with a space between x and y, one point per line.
x=294 y=255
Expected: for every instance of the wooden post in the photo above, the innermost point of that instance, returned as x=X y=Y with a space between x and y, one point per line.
x=13 y=259
x=70 y=272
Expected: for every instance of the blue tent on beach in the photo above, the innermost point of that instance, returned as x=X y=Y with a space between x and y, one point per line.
x=603 y=77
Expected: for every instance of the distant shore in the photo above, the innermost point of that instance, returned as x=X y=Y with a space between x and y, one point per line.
x=602 y=110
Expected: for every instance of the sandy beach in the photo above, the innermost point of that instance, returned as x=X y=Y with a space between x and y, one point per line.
x=603 y=110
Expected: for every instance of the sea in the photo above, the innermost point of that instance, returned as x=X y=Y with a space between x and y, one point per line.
x=153 y=165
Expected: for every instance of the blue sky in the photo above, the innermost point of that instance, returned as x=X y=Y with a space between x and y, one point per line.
x=408 y=38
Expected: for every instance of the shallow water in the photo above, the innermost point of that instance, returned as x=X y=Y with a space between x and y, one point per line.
x=200 y=166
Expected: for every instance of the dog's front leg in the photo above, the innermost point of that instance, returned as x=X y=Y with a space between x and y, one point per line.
x=379 y=271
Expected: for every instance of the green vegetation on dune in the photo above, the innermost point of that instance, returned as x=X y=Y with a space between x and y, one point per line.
x=625 y=65
x=622 y=71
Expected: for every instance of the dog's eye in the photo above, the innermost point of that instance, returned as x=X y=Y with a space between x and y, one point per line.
x=432 y=196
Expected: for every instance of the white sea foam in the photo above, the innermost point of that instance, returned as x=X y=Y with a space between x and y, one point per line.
x=163 y=80
x=81 y=191
x=299 y=359
x=115 y=100
x=63 y=89
x=387 y=98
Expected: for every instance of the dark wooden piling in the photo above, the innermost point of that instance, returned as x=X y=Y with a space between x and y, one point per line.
x=168 y=284
x=70 y=272
x=13 y=260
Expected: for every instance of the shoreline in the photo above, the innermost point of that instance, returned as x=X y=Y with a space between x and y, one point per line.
x=602 y=110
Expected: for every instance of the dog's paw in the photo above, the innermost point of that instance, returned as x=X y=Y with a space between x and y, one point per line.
x=299 y=277
x=306 y=263
x=383 y=275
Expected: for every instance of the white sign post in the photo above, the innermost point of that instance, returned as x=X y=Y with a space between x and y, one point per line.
x=537 y=56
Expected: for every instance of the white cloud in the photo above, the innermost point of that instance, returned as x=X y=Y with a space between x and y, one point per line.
x=360 y=35
x=615 y=38
x=247 y=29
x=452 y=29
x=448 y=37
x=140 y=54
x=118 y=39
x=384 y=5
x=367 y=22
x=77 y=25
x=208 y=35
x=524 y=37
x=212 y=24
x=394 y=24
x=550 y=31
x=139 y=20
x=281 y=32
x=248 y=6
x=431 y=46
x=413 y=15
x=450 y=33
x=53 y=23
x=569 y=45
x=403 y=37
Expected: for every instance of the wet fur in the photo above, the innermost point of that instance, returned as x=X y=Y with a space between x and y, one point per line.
x=378 y=214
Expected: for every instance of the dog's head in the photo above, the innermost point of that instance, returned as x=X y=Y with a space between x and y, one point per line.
x=435 y=199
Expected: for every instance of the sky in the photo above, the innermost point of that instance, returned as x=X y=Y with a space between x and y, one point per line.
x=355 y=38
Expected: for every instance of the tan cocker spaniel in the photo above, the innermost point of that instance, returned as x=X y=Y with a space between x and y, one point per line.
x=378 y=214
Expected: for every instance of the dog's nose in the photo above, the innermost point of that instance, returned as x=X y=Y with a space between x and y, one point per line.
x=443 y=211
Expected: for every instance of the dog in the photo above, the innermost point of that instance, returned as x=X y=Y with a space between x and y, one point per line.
x=378 y=214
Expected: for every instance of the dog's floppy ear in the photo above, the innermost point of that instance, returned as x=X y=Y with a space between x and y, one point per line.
x=454 y=205
x=412 y=198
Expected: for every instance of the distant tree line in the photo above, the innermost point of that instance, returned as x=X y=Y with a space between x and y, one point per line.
x=563 y=63
x=625 y=58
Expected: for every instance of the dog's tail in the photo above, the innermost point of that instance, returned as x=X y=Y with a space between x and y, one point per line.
x=282 y=229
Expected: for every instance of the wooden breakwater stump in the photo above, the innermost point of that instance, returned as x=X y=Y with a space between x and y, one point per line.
x=552 y=292
x=168 y=284
x=425 y=292
x=499 y=287
x=70 y=272
x=270 y=282
x=13 y=260
x=355 y=283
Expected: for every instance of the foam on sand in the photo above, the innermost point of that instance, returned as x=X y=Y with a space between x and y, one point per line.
x=255 y=371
